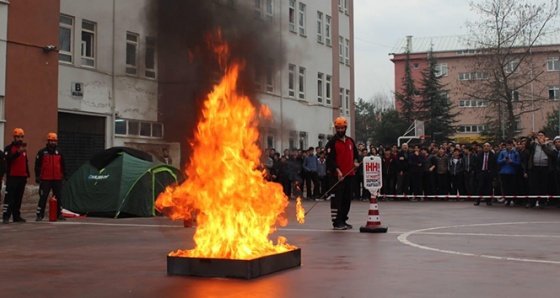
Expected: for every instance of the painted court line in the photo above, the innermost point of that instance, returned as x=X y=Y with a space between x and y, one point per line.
x=403 y=238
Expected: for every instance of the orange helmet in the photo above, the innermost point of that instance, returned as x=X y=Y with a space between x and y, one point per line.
x=51 y=136
x=340 y=122
x=18 y=132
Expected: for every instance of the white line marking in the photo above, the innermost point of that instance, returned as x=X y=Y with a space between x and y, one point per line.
x=403 y=238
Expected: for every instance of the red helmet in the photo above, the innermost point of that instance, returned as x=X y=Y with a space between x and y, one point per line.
x=340 y=122
x=18 y=132
x=51 y=136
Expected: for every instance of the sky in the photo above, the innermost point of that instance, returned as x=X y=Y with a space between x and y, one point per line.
x=379 y=25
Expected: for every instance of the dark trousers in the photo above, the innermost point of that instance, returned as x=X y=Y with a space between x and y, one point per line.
x=442 y=181
x=388 y=185
x=309 y=178
x=286 y=185
x=403 y=183
x=324 y=186
x=340 y=204
x=417 y=182
x=484 y=186
x=358 y=183
x=509 y=185
x=538 y=183
x=44 y=190
x=15 y=187
x=429 y=183
x=457 y=184
x=470 y=183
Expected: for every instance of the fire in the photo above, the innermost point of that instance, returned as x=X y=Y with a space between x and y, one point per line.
x=236 y=208
x=300 y=211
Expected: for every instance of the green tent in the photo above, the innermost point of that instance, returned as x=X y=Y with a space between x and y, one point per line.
x=118 y=181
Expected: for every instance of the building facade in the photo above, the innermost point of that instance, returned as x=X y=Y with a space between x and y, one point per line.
x=104 y=76
x=455 y=62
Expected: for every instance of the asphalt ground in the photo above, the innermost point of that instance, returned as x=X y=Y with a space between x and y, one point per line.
x=432 y=249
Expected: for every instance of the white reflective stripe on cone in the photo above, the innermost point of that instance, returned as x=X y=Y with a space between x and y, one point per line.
x=374 y=218
x=373 y=207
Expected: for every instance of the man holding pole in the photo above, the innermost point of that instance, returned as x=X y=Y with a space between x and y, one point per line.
x=342 y=160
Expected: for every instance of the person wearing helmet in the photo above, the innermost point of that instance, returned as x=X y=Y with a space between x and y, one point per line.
x=342 y=161
x=17 y=172
x=50 y=169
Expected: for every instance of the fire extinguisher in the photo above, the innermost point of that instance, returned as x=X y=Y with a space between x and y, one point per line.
x=53 y=209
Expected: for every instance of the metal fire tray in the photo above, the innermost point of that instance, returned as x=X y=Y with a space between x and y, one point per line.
x=245 y=269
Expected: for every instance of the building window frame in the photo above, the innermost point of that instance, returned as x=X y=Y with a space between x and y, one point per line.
x=328 y=41
x=66 y=50
x=320 y=87
x=150 y=58
x=319 y=27
x=301 y=83
x=328 y=90
x=88 y=45
x=302 y=19
x=292 y=16
x=341 y=49
x=441 y=69
x=138 y=128
x=132 y=40
x=347 y=51
x=291 y=80
x=553 y=92
x=553 y=64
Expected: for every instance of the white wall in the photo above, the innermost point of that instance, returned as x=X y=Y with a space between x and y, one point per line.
x=107 y=89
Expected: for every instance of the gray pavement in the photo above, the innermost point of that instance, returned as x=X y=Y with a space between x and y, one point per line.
x=432 y=249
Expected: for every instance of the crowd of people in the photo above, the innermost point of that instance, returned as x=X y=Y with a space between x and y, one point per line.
x=528 y=166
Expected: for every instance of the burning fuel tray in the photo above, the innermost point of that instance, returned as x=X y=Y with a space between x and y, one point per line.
x=247 y=269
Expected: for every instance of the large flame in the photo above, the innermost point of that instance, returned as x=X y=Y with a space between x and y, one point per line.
x=237 y=209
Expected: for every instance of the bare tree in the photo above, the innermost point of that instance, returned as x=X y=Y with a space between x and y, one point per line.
x=503 y=71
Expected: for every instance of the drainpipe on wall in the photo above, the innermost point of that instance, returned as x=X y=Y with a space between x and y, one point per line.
x=281 y=86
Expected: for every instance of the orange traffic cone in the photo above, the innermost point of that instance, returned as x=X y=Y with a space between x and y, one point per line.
x=373 y=224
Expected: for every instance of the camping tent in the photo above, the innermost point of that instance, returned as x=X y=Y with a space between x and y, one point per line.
x=118 y=180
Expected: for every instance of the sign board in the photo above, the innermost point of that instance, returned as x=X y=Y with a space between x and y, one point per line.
x=372 y=173
x=77 y=89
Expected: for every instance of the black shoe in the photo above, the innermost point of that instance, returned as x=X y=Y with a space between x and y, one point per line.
x=39 y=218
x=5 y=221
x=20 y=220
x=489 y=204
x=477 y=204
x=62 y=218
x=348 y=226
x=340 y=227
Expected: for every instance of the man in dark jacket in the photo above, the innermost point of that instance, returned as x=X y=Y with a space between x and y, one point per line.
x=540 y=165
x=50 y=169
x=485 y=170
x=17 y=173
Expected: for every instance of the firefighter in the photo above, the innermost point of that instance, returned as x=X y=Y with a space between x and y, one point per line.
x=49 y=172
x=17 y=172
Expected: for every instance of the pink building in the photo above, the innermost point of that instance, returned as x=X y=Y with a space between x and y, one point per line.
x=454 y=64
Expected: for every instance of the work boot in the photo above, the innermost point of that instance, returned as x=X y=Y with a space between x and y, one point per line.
x=39 y=217
x=20 y=220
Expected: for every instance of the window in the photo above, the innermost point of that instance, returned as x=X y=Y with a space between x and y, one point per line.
x=347 y=102
x=258 y=9
x=328 y=90
x=131 y=53
x=345 y=2
x=328 y=30
x=65 y=34
x=341 y=96
x=416 y=65
x=150 y=59
x=470 y=128
x=138 y=128
x=467 y=76
x=269 y=76
x=88 y=44
x=512 y=66
x=269 y=11
x=319 y=27
x=347 y=52
x=552 y=64
x=553 y=93
x=257 y=78
x=291 y=80
x=301 y=82
x=292 y=15
x=292 y=139
x=340 y=5
x=518 y=124
x=441 y=69
x=472 y=103
x=515 y=95
x=468 y=52
x=320 y=77
x=341 y=49
x=301 y=22
x=302 y=139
